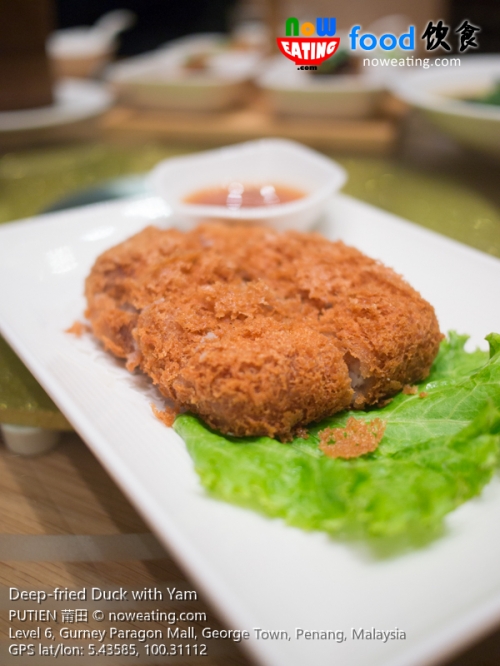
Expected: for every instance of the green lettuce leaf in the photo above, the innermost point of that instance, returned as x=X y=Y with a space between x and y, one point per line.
x=437 y=452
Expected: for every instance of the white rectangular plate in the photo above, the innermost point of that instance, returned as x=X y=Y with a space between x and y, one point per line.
x=259 y=572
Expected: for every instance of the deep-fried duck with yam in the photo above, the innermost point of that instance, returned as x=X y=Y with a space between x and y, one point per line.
x=260 y=332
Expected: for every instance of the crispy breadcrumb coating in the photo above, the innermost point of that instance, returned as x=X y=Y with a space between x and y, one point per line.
x=357 y=438
x=260 y=332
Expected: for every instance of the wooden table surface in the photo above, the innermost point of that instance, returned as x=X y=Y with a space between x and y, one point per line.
x=370 y=136
x=64 y=523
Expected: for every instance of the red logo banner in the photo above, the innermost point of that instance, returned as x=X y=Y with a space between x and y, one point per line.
x=308 y=50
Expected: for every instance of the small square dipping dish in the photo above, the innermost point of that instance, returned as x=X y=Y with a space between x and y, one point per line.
x=276 y=162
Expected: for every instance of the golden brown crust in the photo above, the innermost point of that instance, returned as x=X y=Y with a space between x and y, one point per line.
x=357 y=438
x=260 y=332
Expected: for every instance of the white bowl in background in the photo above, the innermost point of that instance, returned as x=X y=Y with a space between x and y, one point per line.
x=266 y=161
x=295 y=92
x=29 y=441
x=81 y=52
x=438 y=92
x=159 y=79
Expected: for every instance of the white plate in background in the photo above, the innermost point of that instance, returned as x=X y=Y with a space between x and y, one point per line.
x=259 y=572
x=74 y=100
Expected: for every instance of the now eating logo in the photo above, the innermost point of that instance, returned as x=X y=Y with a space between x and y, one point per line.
x=309 y=50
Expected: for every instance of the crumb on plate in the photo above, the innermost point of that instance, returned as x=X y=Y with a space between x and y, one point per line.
x=357 y=438
x=78 y=328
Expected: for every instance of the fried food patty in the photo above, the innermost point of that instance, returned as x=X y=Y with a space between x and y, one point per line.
x=260 y=332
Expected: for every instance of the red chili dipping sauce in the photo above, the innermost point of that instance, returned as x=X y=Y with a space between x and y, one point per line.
x=237 y=195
